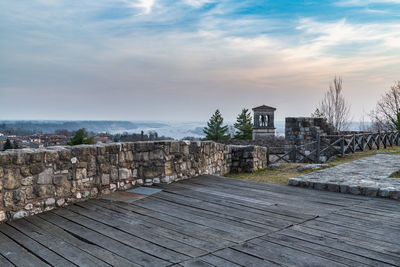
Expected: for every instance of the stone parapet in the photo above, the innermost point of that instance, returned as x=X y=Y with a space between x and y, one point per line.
x=36 y=180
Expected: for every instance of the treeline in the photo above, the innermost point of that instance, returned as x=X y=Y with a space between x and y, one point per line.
x=24 y=128
x=217 y=131
x=133 y=137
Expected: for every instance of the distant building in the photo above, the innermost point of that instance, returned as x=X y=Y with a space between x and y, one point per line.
x=263 y=126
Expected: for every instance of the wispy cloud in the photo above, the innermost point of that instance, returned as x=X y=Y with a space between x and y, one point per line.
x=364 y=2
x=145 y=5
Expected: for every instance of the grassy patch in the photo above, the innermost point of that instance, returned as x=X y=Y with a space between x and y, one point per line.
x=395 y=175
x=281 y=174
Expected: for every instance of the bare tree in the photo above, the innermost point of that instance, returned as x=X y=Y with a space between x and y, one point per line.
x=334 y=106
x=386 y=115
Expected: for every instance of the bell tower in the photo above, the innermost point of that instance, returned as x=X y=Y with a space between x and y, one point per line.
x=263 y=126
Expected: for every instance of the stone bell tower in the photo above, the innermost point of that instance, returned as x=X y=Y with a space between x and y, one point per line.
x=263 y=126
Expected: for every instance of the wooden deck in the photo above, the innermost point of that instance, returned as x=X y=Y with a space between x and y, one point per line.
x=211 y=221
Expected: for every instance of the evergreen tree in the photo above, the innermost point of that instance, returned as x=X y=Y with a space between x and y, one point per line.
x=214 y=130
x=7 y=145
x=317 y=114
x=15 y=145
x=81 y=137
x=244 y=125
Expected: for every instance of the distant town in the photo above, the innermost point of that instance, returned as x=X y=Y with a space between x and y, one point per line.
x=31 y=134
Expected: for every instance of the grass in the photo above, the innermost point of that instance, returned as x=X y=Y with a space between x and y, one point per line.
x=395 y=175
x=281 y=174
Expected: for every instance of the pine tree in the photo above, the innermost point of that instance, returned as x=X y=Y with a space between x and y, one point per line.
x=214 y=130
x=244 y=125
x=15 y=145
x=81 y=137
x=7 y=145
x=317 y=114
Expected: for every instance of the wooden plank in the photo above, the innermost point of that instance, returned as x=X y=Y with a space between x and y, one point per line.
x=268 y=198
x=276 y=189
x=96 y=251
x=213 y=242
x=243 y=225
x=390 y=216
x=338 y=243
x=69 y=252
x=354 y=213
x=268 y=210
x=360 y=223
x=34 y=247
x=195 y=263
x=160 y=235
x=129 y=252
x=358 y=235
x=217 y=261
x=284 y=255
x=231 y=219
x=243 y=258
x=272 y=224
x=313 y=204
x=18 y=255
x=240 y=233
x=4 y=262
x=316 y=249
x=218 y=233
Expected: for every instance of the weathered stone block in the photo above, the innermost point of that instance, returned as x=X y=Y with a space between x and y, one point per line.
x=124 y=173
x=27 y=180
x=25 y=171
x=11 y=179
x=60 y=179
x=80 y=174
x=50 y=202
x=105 y=179
x=45 y=177
x=19 y=215
x=44 y=190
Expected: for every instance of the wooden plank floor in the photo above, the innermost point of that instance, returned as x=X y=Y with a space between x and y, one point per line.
x=211 y=221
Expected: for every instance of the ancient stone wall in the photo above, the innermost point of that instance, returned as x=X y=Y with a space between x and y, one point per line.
x=303 y=130
x=248 y=158
x=36 y=180
x=276 y=141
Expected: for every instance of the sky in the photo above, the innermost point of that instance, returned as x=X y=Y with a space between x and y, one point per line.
x=179 y=60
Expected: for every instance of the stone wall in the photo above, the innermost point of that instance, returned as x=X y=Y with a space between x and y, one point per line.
x=36 y=180
x=276 y=141
x=248 y=158
x=303 y=130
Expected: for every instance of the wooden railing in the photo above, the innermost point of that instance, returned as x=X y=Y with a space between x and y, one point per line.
x=323 y=148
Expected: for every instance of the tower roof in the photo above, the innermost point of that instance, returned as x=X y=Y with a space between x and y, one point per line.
x=264 y=107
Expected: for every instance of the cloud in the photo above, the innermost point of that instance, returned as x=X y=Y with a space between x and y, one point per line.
x=345 y=3
x=198 y=3
x=145 y=5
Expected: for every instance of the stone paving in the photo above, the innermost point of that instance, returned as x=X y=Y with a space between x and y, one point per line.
x=368 y=176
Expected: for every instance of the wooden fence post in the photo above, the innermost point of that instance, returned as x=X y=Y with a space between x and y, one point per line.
x=397 y=139
x=362 y=142
x=294 y=153
x=268 y=157
x=353 y=143
x=342 y=146
x=379 y=141
x=318 y=153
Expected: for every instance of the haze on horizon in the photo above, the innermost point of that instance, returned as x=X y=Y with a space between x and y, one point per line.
x=181 y=59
